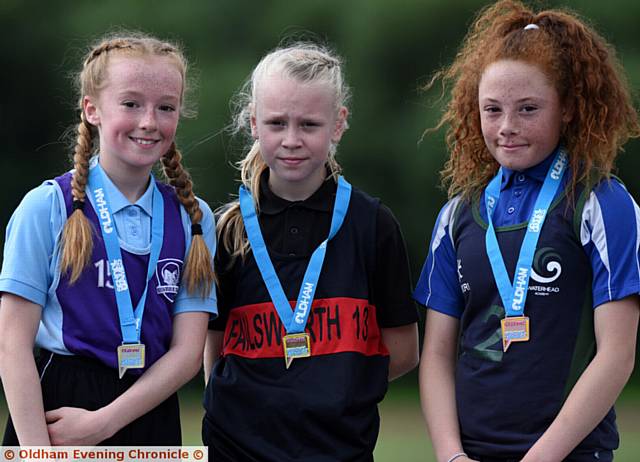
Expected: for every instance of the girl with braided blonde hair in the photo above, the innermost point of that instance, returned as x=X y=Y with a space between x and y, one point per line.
x=301 y=380
x=533 y=271
x=114 y=284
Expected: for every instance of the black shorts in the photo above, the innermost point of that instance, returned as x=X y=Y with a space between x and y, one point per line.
x=75 y=381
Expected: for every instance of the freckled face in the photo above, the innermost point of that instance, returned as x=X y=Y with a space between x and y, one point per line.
x=295 y=124
x=520 y=113
x=136 y=112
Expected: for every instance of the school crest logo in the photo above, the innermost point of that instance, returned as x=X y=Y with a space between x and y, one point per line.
x=547 y=268
x=168 y=277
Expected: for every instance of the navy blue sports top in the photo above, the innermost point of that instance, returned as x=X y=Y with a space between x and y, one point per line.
x=585 y=257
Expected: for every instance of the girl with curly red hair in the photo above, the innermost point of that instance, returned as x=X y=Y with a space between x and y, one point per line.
x=532 y=277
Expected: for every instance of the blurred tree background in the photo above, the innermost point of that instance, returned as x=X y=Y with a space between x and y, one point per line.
x=391 y=48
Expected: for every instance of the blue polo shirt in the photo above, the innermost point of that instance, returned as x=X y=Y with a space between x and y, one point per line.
x=609 y=234
x=32 y=251
x=587 y=255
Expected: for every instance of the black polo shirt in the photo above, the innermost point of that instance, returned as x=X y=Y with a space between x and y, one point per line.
x=324 y=407
x=297 y=228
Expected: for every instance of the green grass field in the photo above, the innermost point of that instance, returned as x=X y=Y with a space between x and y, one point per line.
x=403 y=436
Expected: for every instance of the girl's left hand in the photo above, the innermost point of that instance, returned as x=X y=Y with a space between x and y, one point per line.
x=72 y=426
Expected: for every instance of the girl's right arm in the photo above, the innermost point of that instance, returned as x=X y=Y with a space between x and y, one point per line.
x=19 y=319
x=24 y=282
x=437 y=385
x=212 y=349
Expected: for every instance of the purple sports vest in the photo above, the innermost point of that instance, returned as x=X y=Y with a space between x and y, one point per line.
x=90 y=323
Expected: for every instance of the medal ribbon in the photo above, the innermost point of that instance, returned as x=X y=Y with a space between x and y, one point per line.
x=130 y=320
x=514 y=295
x=296 y=320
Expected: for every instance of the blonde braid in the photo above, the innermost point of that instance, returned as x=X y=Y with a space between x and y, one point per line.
x=230 y=226
x=77 y=239
x=198 y=273
x=106 y=46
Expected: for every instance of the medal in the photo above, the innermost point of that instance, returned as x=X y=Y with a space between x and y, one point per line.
x=131 y=353
x=130 y=356
x=514 y=329
x=296 y=343
x=515 y=325
x=296 y=346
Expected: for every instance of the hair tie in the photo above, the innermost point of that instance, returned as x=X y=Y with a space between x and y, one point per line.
x=196 y=229
x=78 y=205
x=531 y=27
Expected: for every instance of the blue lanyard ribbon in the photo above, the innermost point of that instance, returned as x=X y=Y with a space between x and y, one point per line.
x=130 y=320
x=514 y=295
x=296 y=320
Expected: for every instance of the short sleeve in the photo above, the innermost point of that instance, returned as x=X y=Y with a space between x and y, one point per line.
x=194 y=302
x=437 y=286
x=391 y=291
x=30 y=244
x=610 y=236
x=226 y=283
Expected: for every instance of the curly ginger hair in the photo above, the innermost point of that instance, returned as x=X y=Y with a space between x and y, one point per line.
x=580 y=64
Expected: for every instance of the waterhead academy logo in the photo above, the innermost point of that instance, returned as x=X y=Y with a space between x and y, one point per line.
x=547 y=268
x=168 y=278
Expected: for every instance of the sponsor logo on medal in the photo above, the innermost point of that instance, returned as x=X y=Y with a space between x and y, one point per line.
x=296 y=346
